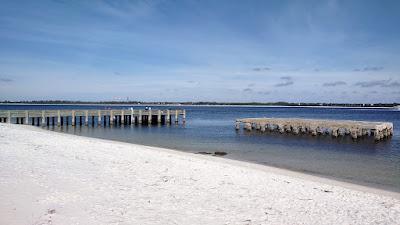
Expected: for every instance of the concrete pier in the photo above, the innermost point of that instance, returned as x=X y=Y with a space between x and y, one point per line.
x=110 y=117
x=335 y=128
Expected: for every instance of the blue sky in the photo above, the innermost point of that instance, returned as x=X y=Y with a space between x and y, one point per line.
x=198 y=50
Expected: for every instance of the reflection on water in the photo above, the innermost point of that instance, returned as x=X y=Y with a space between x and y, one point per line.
x=212 y=129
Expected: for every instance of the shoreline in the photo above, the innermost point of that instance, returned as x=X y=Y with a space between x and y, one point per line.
x=345 y=182
x=42 y=171
x=332 y=180
x=262 y=167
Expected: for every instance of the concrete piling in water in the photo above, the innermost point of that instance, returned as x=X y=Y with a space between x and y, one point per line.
x=237 y=125
x=303 y=129
x=44 y=118
x=99 y=118
x=377 y=135
x=159 y=116
x=364 y=132
x=391 y=131
x=353 y=133
x=150 y=118
x=132 y=120
x=58 y=118
x=26 y=117
x=140 y=116
x=262 y=127
x=295 y=130
x=287 y=128
x=73 y=118
x=359 y=132
x=86 y=118
x=168 y=118
x=176 y=116
x=281 y=128
x=122 y=118
x=319 y=130
x=247 y=126
x=385 y=133
x=111 y=118
x=313 y=131
x=335 y=132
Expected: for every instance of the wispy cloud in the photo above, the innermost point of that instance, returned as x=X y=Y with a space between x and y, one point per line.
x=247 y=90
x=378 y=83
x=259 y=69
x=263 y=92
x=369 y=69
x=193 y=83
x=334 y=84
x=125 y=9
x=287 y=80
x=6 y=80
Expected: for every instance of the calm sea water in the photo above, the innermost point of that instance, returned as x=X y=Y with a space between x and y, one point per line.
x=212 y=129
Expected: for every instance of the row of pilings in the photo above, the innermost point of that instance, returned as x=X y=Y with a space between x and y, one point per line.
x=92 y=117
x=356 y=129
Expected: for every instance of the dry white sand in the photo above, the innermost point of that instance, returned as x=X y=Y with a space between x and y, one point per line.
x=53 y=178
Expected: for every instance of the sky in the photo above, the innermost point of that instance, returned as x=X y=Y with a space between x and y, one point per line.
x=199 y=50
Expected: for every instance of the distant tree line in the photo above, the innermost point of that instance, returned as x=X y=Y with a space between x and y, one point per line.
x=203 y=103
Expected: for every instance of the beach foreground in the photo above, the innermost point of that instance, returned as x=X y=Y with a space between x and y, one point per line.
x=54 y=178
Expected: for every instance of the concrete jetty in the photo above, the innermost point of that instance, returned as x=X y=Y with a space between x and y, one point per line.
x=335 y=128
x=92 y=117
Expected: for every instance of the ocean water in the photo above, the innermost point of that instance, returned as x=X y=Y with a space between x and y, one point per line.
x=211 y=128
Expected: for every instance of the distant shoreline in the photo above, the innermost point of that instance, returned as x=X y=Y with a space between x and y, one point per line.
x=209 y=105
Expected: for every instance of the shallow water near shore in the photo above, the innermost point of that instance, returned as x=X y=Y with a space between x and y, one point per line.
x=211 y=129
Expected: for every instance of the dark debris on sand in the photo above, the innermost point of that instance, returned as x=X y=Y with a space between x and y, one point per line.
x=213 y=154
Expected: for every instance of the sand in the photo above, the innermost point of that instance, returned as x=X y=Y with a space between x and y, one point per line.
x=53 y=178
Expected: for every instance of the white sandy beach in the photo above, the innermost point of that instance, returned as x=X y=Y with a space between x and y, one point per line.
x=53 y=178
